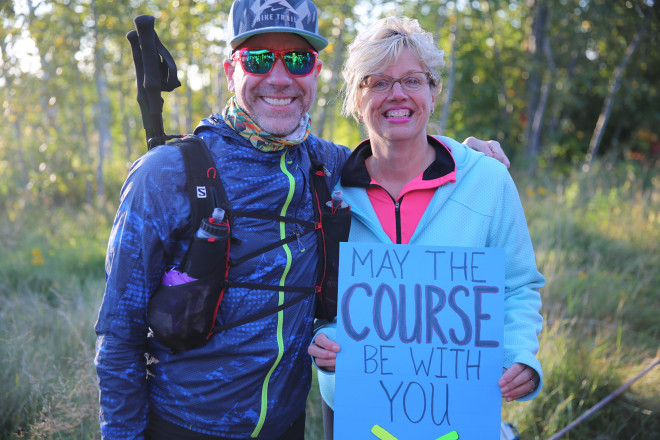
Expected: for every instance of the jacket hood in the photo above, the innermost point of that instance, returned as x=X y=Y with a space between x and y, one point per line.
x=213 y=122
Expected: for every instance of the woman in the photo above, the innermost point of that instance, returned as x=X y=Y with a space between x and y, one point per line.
x=405 y=186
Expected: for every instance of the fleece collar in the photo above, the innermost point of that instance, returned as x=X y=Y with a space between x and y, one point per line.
x=441 y=171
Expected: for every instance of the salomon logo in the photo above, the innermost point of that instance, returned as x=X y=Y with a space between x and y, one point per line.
x=201 y=192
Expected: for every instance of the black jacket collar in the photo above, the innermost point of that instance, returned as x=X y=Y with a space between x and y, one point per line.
x=355 y=169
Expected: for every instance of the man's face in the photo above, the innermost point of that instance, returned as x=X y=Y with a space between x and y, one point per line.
x=278 y=100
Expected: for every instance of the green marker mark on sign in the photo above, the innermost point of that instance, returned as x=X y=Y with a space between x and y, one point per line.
x=382 y=434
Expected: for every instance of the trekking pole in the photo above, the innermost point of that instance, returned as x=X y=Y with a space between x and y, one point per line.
x=132 y=37
x=155 y=72
x=606 y=400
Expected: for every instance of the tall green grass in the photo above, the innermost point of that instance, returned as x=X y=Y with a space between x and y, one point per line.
x=51 y=283
x=597 y=239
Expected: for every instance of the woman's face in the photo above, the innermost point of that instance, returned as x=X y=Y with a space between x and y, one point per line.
x=398 y=114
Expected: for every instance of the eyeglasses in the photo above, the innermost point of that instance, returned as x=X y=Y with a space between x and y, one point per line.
x=383 y=83
x=298 y=62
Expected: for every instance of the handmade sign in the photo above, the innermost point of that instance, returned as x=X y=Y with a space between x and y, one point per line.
x=421 y=332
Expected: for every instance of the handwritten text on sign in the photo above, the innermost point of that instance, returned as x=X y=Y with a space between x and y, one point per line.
x=420 y=330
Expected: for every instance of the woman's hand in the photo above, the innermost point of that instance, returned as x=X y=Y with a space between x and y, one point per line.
x=518 y=381
x=324 y=351
x=489 y=148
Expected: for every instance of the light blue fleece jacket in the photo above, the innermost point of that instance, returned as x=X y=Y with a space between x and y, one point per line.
x=481 y=209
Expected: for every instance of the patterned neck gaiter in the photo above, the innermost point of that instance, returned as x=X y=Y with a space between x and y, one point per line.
x=240 y=121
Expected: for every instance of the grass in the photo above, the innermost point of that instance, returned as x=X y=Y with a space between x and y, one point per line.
x=51 y=282
x=597 y=239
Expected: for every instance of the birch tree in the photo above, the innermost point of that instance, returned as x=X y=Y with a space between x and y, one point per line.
x=613 y=87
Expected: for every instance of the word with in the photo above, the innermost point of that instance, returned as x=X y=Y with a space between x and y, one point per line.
x=454 y=363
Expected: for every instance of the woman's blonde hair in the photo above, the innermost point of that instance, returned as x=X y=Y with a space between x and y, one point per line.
x=379 y=46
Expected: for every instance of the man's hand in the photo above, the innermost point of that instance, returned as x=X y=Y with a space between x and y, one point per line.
x=324 y=351
x=518 y=381
x=489 y=148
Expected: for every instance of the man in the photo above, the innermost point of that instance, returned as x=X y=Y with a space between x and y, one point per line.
x=250 y=381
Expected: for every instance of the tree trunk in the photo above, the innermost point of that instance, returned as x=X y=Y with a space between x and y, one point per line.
x=537 y=121
x=557 y=109
x=178 y=115
x=85 y=142
x=124 y=115
x=103 y=106
x=449 y=90
x=45 y=68
x=126 y=125
x=218 y=85
x=335 y=74
x=537 y=13
x=615 y=83
x=504 y=110
x=14 y=116
x=188 y=125
x=18 y=133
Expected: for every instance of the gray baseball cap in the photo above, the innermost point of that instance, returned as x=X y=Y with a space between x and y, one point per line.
x=252 y=17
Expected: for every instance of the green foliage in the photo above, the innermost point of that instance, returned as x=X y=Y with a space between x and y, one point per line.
x=597 y=238
x=48 y=383
x=597 y=234
x=81 y=82
x=581 y=367
x=51 y=283
x=604 y=224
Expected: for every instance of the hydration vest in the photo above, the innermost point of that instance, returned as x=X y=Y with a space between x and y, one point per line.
x=183 y=316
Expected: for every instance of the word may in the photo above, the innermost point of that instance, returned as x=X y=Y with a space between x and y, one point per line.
x=425 y=318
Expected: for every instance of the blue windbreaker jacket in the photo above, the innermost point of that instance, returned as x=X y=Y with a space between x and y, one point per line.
x=247 y=382
x=481 y=209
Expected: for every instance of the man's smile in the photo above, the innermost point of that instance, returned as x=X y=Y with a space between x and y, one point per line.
x=280 y=102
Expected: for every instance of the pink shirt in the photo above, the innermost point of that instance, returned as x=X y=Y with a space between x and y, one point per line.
x=413 y=201
x=411 y=209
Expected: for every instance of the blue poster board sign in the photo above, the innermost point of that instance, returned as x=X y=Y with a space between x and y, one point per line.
x=421 y=332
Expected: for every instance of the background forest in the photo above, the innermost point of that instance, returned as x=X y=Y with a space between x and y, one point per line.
x=570 y=89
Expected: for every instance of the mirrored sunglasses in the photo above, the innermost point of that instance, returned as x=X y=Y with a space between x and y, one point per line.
x=298 y=62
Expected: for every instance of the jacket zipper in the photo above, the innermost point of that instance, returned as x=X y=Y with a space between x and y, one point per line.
x=280 y=314
x=397 y=216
